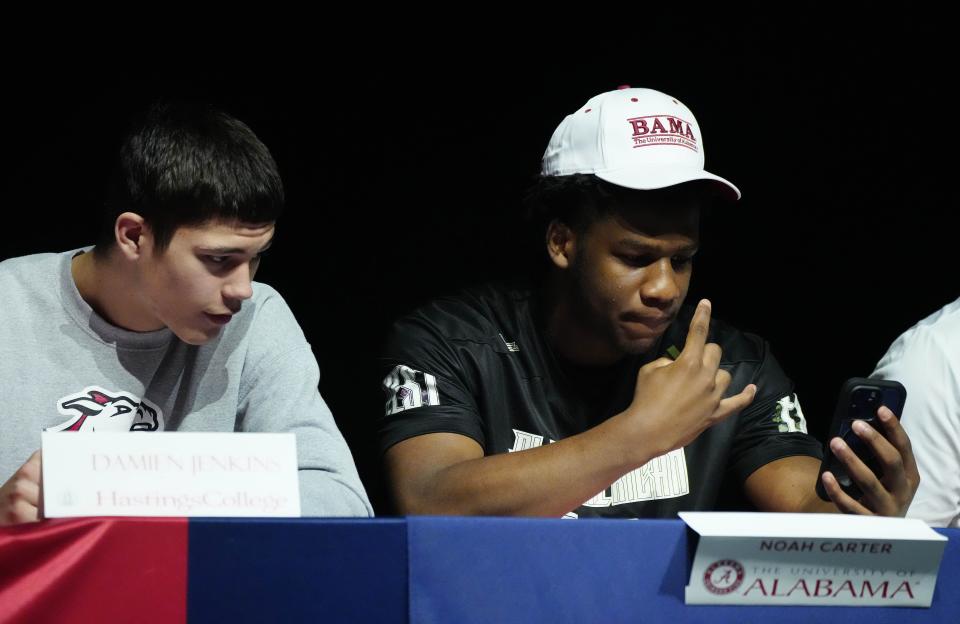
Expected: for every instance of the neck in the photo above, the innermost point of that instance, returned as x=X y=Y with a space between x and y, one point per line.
x=99 y=279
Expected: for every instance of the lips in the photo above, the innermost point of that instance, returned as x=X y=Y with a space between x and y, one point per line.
x=645 y=326
x=648 y=321
x=219 y=319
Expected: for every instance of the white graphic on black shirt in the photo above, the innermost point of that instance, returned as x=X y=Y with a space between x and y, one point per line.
x=512 y=347
x=661 y=477
x=407 y=388
x=523 y=440
x=789 y=416
x=96 y=409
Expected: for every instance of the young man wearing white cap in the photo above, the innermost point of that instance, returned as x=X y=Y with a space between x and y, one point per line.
x=597 y=393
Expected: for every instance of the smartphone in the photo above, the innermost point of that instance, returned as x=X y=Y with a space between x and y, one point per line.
x=859 y=400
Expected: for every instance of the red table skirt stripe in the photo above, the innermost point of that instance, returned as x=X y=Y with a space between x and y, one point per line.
x=94 y=570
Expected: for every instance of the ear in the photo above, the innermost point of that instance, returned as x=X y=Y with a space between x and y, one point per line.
x=561 y=244
x=129 y=232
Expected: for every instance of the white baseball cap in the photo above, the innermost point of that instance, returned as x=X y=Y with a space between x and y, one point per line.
x=636 y=138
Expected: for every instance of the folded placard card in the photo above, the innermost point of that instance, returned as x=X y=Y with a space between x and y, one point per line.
x=812 y=559
x=170 y=474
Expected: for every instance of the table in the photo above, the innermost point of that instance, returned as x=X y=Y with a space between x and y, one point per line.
x=417 y=569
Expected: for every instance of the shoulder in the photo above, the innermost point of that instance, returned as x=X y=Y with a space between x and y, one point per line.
x=942 y=327
x=746 y=356
x=738 y=346
x=933 y=341
x=479 y=314
x=32 y=282
x=263 y=311
x=267 y=304
x=265 y=324
x=938 y=334
x=28 y=268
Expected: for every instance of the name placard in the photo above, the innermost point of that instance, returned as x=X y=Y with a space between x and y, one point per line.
x=813 y=559
x=170 y=474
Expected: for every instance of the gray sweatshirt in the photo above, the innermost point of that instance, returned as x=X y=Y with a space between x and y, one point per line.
x=64 y=368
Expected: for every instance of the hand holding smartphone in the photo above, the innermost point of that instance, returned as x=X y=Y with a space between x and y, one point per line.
x=859 y=400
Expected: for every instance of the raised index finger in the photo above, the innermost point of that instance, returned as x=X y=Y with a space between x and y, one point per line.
x=699 y=328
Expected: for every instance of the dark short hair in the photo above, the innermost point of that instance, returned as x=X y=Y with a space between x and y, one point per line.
x=186 y=163
x=578 y=200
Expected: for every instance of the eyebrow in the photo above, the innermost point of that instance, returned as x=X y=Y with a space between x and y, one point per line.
x=643 y=248
x=222 y=251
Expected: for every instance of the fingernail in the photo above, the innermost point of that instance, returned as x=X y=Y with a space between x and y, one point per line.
x=859 y=426
x=705 y=303
x=836 y=445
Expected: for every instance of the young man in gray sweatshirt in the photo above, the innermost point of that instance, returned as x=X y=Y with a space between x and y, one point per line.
x=160 y=326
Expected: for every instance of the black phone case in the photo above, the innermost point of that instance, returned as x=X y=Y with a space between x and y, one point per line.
x=892 y=394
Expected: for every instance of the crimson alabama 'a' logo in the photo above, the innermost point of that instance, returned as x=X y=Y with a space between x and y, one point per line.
x=723 y=577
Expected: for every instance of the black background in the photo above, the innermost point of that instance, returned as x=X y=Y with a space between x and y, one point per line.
x=405 y=152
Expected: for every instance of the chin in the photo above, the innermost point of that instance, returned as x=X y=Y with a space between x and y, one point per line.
x=196 y=338
x=638 y=347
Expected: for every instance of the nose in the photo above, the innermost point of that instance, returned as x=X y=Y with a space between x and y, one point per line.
x=239 y=285
x=660 y=288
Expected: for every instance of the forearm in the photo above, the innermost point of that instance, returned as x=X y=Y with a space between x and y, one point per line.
x=549 y=480
x=327 y=494
x=282 y=397
x=329 y=483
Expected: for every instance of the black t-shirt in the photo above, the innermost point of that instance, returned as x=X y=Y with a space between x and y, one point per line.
x=479 y=365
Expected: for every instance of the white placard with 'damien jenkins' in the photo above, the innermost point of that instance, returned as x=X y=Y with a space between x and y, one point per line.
x=812 y=559
x=170 y=474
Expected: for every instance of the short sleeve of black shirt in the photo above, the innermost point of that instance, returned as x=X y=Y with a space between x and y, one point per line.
x=772 y=427
x=425 y=382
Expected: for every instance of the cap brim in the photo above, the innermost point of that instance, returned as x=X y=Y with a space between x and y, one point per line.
x=652 y=178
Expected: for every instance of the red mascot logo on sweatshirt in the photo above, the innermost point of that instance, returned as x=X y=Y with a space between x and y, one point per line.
x=96 y=409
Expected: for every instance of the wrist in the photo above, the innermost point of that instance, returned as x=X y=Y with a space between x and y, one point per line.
x=631 y=445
